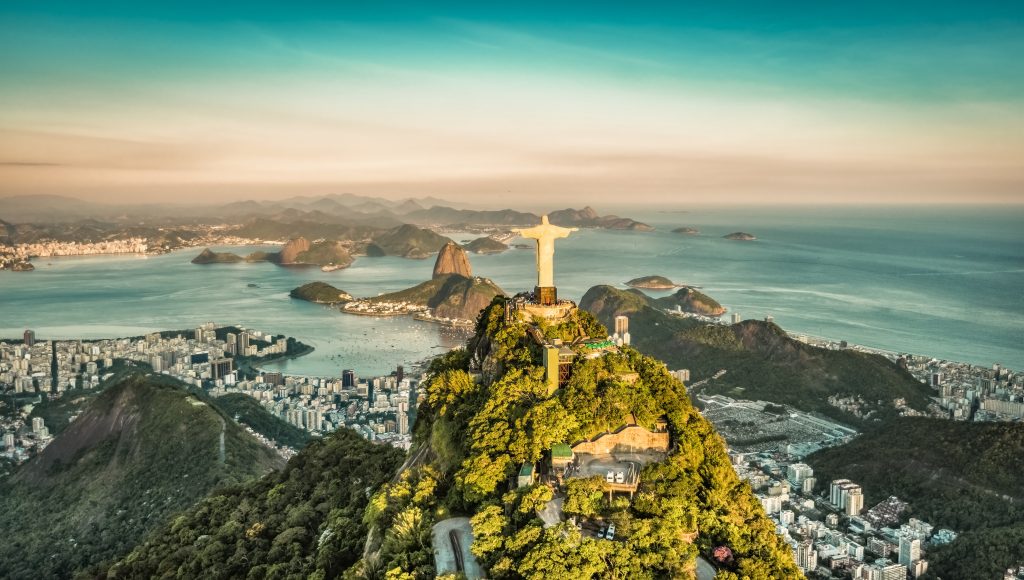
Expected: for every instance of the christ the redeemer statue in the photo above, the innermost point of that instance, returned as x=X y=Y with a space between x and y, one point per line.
x=545 y=234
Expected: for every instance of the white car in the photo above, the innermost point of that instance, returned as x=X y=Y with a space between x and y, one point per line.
x=611 y=532
x=610 y=477
x=620 y=476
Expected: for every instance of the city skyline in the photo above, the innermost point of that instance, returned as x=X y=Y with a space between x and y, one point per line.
x=736 y=104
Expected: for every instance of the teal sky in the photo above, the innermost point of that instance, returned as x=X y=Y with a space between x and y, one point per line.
x=738 y=102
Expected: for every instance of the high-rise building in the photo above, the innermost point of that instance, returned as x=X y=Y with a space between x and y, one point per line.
x=797 y=473
x=910 y=551
x=37 y=424
x=221 y=367
x=736 y=319
x=808 y=485
x=621 y=325
x=399 y=373
x=854 y=502
x=348 y=379
x=403 y=418
x=9 y=440
x=786 y=517
x=839 y=492
x=273 y=378
x=806 y=556
x=313 y=419
x=890 y=571
x=30 y=338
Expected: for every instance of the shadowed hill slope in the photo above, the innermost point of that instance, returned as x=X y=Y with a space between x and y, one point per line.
x=964 y=476
x=304 y=521
x=761 y=360
x=140 y=451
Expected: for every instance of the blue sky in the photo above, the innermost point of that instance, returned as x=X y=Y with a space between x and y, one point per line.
x=738 y=101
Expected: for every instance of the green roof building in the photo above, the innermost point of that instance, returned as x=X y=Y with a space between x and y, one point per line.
x=526 y=475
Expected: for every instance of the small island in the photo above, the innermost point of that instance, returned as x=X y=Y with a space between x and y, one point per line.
x=320 y=293
x=328 y=254
x=208 y=256
x=687 y=231
x=486 y=245
x=652 y=283
x=741 y=236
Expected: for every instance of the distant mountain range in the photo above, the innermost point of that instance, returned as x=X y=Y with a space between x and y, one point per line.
x=343 y=209
x=345 y=217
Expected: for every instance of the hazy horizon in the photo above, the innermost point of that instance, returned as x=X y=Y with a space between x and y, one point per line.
x=594 y=104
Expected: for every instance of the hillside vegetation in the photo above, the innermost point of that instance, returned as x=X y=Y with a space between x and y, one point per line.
x=964 y=476
x=472 y=435
x=761 y=360
x=406 y=241
x=140 y=451
x=449 y=295
x=301 y=522
x=321 y=293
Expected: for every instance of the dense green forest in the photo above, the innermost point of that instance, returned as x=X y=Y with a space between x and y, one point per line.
x=474 y=433
x=964 y=476
x=141 y=450
x=761 y=361
x=304 y=521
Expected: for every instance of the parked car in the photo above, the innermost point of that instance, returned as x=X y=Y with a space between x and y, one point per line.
x=610 y=477
x=620 y=476
x=611 y=532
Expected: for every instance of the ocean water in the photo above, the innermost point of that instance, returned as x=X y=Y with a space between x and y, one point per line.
x=947 y=282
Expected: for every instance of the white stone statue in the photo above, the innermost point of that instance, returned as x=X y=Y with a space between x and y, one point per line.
x=545 y=234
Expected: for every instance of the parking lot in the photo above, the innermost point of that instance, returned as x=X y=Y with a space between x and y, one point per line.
x=625 y=471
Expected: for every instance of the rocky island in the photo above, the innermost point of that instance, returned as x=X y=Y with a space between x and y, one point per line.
x=486 y=245
x=741 y=236
x=320 y=293
x=328 y=254
x=687 y=231
x=208 y=256
x=652 y=283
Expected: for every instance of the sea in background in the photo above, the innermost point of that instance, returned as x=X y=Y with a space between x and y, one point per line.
x=943 y=281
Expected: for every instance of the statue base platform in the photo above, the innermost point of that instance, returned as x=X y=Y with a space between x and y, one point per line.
x=550 y=312
x=545 y=295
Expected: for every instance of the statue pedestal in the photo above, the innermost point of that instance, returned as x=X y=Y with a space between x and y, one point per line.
x=546 y=295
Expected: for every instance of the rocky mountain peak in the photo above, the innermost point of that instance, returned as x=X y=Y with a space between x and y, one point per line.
x=291 y=250
x=452 y=259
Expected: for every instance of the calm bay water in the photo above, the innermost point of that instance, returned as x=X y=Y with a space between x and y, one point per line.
x=945 y=282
